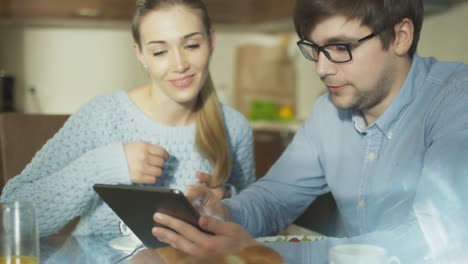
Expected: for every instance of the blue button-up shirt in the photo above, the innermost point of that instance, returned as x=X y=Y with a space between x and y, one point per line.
x=400 y=182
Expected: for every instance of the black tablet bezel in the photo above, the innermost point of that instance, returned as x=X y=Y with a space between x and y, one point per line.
x=136 y=205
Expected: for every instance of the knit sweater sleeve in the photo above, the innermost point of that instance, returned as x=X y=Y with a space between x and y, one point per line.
x=59 y=179
x=241 y=142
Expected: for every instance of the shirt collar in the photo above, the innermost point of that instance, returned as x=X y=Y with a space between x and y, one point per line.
x=398 y=107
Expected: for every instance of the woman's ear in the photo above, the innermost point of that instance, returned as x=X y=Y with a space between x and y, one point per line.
x=404 y=36
x=139 y=54
x=212 y=39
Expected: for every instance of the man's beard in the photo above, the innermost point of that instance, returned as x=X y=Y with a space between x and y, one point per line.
x=364 y=100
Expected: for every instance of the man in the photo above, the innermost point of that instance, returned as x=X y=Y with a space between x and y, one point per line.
x=389 y=140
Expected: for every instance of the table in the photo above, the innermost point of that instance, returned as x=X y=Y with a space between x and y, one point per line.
x=83 y=249
x=64 y=248
x=95 y=249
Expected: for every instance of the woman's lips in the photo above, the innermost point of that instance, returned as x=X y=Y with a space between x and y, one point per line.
x=183 y=82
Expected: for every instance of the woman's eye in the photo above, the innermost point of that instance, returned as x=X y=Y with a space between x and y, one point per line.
x=193 y=46
x=159 y=53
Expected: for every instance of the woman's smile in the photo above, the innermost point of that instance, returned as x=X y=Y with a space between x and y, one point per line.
x=183 y=82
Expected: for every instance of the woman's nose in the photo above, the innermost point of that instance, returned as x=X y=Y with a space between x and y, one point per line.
x=180 y=62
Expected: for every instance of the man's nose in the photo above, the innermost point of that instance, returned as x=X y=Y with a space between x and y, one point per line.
x=323 y=66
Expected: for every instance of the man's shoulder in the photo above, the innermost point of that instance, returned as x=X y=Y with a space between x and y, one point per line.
x=446 y=81
x=445 y=72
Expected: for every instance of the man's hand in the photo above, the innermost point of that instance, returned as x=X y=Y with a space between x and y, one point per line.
x=206 y=202
x=226 y=237
x=145 y=161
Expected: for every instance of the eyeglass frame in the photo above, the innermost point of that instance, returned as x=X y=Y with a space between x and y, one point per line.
x=347 y=45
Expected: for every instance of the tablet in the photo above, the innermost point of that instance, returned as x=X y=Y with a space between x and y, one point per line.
x=136 y=205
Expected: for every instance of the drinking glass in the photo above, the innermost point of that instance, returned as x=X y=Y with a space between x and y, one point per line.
x=19 y=237
x=360 y=254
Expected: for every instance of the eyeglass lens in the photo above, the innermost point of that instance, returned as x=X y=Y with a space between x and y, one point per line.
x=334 y=52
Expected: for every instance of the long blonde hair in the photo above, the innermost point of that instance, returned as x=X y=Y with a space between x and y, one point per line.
x=211 y=137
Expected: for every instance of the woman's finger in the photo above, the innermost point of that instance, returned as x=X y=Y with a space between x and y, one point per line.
x=152 y=171
x=203 y=178
x=149 y=180
x=155 y=150
x=155 y=161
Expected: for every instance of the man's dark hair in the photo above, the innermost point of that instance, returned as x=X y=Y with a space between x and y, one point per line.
x=380 y=15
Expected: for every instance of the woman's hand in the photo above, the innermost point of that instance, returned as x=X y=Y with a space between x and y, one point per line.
x=145 y=161
x=204 y=178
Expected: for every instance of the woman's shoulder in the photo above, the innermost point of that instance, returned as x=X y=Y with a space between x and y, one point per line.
x=234 y=117
x=101 y=108
x=237 y=126
x=106 y=100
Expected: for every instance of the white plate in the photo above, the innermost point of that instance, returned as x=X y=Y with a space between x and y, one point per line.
x=290 y=238
x=126 y=244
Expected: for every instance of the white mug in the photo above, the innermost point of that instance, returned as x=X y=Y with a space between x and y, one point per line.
x=126 y=231
x=360 y=254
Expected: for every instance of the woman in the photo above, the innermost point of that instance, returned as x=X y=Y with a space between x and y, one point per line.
x=171 y=132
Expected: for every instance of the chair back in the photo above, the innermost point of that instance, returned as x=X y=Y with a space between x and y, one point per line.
x=322 y=216
x=21 y=136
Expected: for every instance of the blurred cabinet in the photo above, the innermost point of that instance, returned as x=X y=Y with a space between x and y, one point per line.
x=3 y=5
x=221 y=11
x=96 y=9
x=248 y=11
x=118 y=9
x=268 y=147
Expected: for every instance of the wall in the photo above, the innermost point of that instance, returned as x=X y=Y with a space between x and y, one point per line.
x=444 y=36
x=68 y=66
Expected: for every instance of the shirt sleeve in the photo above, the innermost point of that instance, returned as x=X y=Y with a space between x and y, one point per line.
x=285 y=191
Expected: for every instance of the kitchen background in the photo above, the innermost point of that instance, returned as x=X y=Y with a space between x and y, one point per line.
x=62 y=53
x=59 y=65
x=61 y=60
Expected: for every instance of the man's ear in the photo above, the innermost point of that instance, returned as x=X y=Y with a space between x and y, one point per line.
x=139 y=54
x=404 y=36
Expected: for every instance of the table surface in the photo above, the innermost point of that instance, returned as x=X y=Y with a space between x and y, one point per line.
x=95 y=249
x=71 y=249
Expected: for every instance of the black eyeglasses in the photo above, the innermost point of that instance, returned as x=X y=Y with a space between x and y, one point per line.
x=335 y=52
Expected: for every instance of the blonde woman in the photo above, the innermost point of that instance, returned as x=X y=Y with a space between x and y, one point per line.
x=171 y=132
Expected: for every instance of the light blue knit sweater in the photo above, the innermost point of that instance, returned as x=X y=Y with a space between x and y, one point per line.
x=88 y=149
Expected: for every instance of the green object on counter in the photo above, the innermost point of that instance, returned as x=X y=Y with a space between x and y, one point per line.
x=263 y=110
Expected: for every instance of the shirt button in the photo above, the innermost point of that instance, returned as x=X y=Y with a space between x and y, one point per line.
x=390 y=135
x=362 y=203
x=371 y=156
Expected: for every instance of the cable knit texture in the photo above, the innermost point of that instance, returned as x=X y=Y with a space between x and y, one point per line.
x=88 y=149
